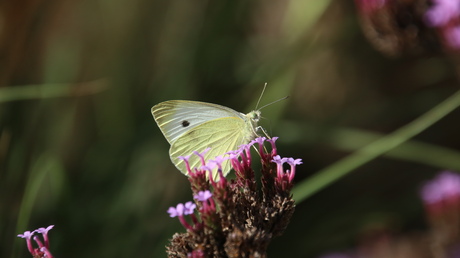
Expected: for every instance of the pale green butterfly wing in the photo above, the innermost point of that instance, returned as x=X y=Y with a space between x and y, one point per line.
x=171 y=116
x=194 y=126
x=221 y=135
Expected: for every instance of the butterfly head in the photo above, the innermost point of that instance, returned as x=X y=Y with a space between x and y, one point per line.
x=254 y=116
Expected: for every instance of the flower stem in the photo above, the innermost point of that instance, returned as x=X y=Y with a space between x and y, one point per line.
x=360 y=157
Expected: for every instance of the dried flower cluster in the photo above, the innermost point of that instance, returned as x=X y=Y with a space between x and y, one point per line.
x=43 y=248
x=236 y=218
x=397 y=27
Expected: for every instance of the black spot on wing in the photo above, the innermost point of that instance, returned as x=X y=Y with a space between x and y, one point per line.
x=185 y=123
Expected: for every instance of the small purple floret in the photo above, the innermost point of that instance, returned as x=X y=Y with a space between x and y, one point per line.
x=294 y=162
x=219 y=160
x=176 y=211
x=201 y=155
x=259 y=140
x=26 y=235
x=44 y=230
x=278 y=160
x=189 y=208
x=203 y=195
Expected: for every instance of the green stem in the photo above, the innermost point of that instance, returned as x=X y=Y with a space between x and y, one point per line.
x=332 y=173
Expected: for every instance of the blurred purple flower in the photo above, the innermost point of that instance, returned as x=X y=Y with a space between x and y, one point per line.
x=442 y=12
x=445 y=186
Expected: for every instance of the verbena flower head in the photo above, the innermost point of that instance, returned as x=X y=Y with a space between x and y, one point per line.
x=236 y=216
x=43 y=248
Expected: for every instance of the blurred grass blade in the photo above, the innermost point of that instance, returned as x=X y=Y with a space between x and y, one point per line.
x=46 y=175
x=352 y=139
x=332 y=173
x=40 y=91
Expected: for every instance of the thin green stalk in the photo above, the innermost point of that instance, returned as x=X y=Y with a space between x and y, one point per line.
x=332 y=173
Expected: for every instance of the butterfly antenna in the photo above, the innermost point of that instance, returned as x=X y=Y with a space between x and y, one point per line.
x=265 y=86
x=278 y=100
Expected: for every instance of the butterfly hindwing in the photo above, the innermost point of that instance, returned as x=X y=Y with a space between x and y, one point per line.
x=221 y=135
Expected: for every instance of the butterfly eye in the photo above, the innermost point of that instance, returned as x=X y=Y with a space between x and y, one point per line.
x=255 y=116
x=185 y=123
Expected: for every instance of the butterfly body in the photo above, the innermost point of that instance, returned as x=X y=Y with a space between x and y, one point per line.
x=194 y=126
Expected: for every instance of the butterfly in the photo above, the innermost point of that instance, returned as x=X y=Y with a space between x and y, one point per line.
x=191 y=126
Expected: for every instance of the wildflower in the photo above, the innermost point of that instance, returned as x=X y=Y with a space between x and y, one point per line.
x=203 y=195
x=28 y=235
x=442 y=12
x=293 y=163
x=186 y=161
x=444 y=15
x=189 y=208
x=273 y=145
x=180 y=210
x=234 y=216
x=441 y=197
x=245 y=155
x=201 y=155
x=260 y=141
x=444 y=187
x=43 y=248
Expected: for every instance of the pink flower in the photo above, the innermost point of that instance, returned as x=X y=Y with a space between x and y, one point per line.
x=445 y=186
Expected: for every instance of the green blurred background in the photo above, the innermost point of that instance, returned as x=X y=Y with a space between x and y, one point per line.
x=80 y=150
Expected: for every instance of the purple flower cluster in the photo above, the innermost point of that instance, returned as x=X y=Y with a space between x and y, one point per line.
x=445 y=187
x=445 y=16
x=231 y=212
x=442 y=196
x=43 y=248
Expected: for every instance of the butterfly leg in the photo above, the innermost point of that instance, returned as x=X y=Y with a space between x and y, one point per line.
x=263 y=131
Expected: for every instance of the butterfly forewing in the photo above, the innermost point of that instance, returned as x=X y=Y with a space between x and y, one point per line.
x=175 y=117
